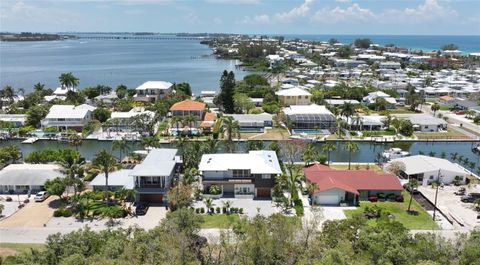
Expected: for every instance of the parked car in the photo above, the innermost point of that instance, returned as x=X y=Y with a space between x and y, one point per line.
x=460 y=191
x=141 y=209
x=41 y=196
x=471 y=197
x=414 y=191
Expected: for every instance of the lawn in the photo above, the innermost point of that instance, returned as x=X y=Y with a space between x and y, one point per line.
x=219 y=220
x=273 y=134
x=11 y=249
x=372 y=167
x=421 y=221
x=449 y=134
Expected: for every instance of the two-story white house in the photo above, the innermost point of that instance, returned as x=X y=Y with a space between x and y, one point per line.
x=68 y=116
x=152 y=91
x=241 y=175
x=294 y=96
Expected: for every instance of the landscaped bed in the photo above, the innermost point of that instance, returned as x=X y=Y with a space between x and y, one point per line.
x=371 y=166
x=422 y=220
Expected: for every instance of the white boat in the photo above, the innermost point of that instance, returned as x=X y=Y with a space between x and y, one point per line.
x=476 y=148
x=30 y=140
x=394 y=153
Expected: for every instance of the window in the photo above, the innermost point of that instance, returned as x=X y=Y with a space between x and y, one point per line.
x=241 y=173
x=266 y=176
x=431 y=177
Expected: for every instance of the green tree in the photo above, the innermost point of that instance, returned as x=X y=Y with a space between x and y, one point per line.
x=56 y=186
x=362 y=43
x=75 y=140
x=105 y=162
x=347 y=110
x=291 y=181
x=68 y=80
x=345 y=52
x=309 y=154
x=351 y=147
x=208 y=203
x=101 y=114
x=227 y=86
x=121 y=91
x=230 y=127
x=449 y=47
x=328 y=147
x=35 y=115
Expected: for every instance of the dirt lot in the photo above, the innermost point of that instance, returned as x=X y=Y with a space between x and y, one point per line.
x=448 y=202
x=34 y=214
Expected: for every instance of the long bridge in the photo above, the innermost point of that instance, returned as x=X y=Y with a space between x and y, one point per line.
x=145 y=37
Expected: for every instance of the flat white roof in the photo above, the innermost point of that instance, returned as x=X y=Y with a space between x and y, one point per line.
x=162 y=85
x=258 y=162
x=117 y=178
x=306 y=109
x=29 y=174
x=419 y=164
x=130 y=114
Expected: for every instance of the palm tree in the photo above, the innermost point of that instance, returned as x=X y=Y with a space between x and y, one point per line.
x=435 y=107
x=210 y=146
x=8 y=93
x=176 y=121
x=227 y=205
x=292 y=182
x=106 y=163
x=72 y=167
x=38 y=86
x=122 y=147
x=348 y=109
x=208 y=203
x=328 y=147
x=312 y=187
x=309 y=154
x=68 y=80
x=351 y=147
x=147 y=142
x=190 y=119
x=412 y=184
x=231 y=127
x=75 y=140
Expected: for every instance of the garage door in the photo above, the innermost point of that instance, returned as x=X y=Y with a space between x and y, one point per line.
x=263 y=192
x=327 y=199
x=153 y=198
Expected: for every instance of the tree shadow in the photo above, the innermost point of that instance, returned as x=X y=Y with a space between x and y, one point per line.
x=55 y=204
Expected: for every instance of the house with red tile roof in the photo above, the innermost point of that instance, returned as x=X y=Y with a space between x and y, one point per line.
x=349 y=186
x=193 y=115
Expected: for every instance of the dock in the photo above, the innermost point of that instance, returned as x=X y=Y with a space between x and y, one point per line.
x=30 y=140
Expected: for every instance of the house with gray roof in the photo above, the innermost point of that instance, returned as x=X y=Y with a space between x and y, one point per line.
x=24 y=178
x=68 y=116
x=427 y=123
x=253 y=122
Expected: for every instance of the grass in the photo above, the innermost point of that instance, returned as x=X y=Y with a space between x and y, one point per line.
x=449 y=134
x=219 y=220
x=272 y=134
x=9 y=249
x=372 y=167
x=421 y=221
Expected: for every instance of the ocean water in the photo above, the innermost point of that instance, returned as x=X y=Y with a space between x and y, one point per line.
x=112 y=62
x=466 y=44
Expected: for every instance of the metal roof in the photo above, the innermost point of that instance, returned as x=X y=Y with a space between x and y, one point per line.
x=117 y=178
x=29 y=174
x=159 y=162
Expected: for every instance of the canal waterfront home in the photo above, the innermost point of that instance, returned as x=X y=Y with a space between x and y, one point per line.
x=371 y=98
x=68 y=117
x=116 y=180
x=191 y=115
x=27 y=178
x=16 y=120
x=253 y=122
x=153 y=177
x=309 y=119
x=240 y=175
x=426 y=169
x=427 y=123
x=152 y=91
x=294 y=96
x=127 y=121
x=336 y=187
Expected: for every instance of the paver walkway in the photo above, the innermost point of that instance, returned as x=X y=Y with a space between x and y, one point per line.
x=33 y=214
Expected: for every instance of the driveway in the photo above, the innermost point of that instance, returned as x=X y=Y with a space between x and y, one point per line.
x=450 y=204
x=33 y=214
x=251 y=207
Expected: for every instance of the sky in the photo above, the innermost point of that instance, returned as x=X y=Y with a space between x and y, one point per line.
x=376 y=17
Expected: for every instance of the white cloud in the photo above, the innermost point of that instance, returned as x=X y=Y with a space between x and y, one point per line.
x=353 y=13
x=300 y=11
x=343 y=1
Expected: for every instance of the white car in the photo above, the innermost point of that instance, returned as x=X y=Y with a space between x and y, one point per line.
x=41 y=196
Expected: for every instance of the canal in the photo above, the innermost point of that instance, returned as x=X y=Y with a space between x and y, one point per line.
x=367 y=150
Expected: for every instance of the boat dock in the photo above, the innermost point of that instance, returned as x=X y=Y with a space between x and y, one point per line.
x=30 y=140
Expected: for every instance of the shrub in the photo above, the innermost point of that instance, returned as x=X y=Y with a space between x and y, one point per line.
x=217 y=209
x=8 y=199
x=197 y=210
x=202 y=210
x=192 y=209
x=62 y=212
x=26 y=201
x=240 y=211
x=224 y=210
x=212 y=210
x=298 y=205
x=57 y=213
x=233 y=210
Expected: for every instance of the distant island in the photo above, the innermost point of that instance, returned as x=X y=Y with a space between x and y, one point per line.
x=29 y=36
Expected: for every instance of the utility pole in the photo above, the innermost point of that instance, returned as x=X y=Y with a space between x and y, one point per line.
x=436 y=194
